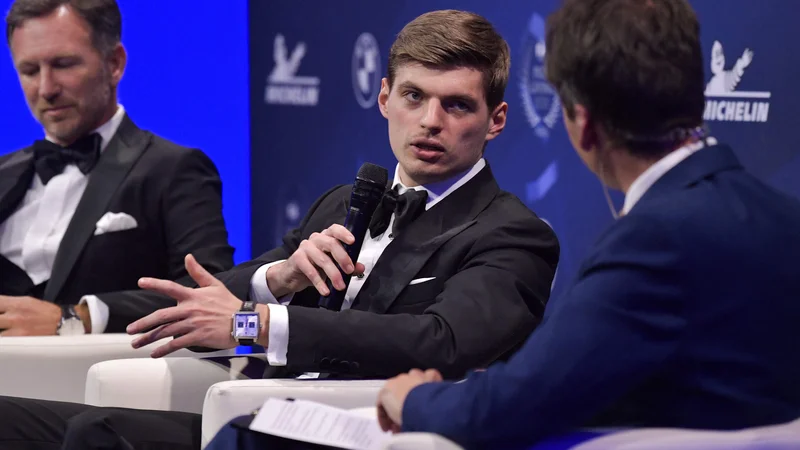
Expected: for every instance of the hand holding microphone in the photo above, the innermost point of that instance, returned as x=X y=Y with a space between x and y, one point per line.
x=326 y=260
x=312 y=264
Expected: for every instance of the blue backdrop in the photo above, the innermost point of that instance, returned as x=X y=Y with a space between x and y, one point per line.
x=310 y=120
x=186 y=80
x=314 y=78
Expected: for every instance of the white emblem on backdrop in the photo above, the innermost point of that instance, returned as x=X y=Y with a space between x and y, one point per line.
x=366 y=70
x=284 y=87
x=726 y=104
x=541 y=103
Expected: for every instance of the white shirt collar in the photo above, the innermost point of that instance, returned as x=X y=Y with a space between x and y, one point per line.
x=438 y=191
x=108 y=129
x=644 y=181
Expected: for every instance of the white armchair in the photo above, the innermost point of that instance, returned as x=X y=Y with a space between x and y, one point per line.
x=774 y=437
x=55 y=367
x=165 y=384
x=227 y=400
x=181 y=384
x=218 y=392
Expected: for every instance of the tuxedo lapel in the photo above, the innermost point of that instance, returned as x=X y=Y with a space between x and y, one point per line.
x=16 y=174
x=410 y=250
x=116 y=161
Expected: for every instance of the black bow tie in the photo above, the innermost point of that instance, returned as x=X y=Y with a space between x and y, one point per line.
x=406 y=208
x=51 y=158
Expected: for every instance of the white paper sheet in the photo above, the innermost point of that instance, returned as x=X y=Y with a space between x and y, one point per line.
x=313 y=422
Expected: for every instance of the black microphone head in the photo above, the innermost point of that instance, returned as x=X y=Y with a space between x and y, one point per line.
x=368 y=190
x=373 y=173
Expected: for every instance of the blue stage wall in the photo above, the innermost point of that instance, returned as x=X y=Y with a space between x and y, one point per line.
x=199 y=74
x=314 y=119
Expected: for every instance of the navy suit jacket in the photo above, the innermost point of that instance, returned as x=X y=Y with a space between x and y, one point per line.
x=684 y=314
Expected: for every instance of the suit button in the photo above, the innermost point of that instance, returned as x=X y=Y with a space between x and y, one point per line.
x=355 y=367
x=344 y=366
x=325 y=363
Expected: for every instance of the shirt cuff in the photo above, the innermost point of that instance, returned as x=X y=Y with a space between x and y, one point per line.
x=278 y=335
x=98 y=313
x=259 y=290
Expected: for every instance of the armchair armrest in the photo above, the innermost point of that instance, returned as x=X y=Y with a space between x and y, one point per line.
x=55 y=367
x=420 y=441
x=167 y=384
x=411 y=441
x=227 y=400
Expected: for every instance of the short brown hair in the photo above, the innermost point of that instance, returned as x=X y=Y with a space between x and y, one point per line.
x=452 y=39
x=636 y=65
x=103 y=17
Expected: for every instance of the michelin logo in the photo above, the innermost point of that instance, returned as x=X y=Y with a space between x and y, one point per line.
x=723 y=102
x=284 y=87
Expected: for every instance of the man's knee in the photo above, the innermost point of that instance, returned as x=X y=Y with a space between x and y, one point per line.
x=32 y=420
x=9 y=410
x=127 y=429
x=94 y=429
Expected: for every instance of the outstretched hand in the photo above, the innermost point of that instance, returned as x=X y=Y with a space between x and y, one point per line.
x=202 y=316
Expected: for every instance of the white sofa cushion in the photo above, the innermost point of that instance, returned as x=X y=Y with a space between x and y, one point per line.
x=55 y=367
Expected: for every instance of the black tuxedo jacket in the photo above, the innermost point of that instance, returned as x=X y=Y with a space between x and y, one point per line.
x=493 y=263
x=173 y=192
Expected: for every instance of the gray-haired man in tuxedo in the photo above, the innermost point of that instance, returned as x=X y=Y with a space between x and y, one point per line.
x=98 y=202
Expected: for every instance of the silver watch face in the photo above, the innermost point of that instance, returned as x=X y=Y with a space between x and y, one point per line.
x=71 y=327
x=245 y=325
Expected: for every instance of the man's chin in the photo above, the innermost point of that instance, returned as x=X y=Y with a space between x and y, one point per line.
x=62 y=132
x=429 y=174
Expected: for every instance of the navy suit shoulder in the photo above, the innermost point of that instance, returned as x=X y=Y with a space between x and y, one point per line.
x=682 y=315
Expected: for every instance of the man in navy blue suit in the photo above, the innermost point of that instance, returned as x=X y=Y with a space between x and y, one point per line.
x=685 y=312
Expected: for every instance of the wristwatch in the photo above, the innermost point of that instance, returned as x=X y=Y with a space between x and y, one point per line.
x=70 y=324
x=246 y=324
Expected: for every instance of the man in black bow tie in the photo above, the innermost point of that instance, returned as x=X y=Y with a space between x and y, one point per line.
x=453 y=274
x=97 y=203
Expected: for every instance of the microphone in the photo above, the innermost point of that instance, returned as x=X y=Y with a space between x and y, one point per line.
x=367 y=192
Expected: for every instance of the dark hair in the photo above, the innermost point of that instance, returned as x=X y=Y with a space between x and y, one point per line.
x=451 y=39
x=103 y=17
x=636 y=65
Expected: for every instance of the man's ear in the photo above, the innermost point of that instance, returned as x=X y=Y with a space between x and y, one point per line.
x=383 y=97
x=117 y=61
x=497 y=121
x=586 y=127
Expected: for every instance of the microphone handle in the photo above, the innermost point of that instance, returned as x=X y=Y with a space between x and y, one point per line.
x=356 y=223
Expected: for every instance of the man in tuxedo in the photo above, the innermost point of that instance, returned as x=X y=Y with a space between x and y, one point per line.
x=98 y=203
x=454 y=278
x=685 y=312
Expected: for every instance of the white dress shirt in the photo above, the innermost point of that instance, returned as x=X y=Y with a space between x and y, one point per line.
x=31 y=235
x=644 y=181
x=370 y=252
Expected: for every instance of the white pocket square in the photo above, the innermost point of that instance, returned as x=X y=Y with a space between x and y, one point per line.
x=111 y=222
x=421 y=280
